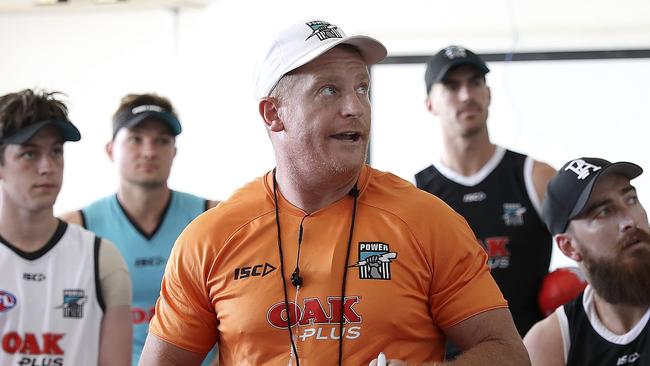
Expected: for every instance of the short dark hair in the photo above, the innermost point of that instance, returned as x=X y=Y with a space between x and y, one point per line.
x=26 y=107
x=131 y=101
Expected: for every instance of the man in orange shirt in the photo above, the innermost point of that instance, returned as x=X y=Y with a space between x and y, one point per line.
x=325 y=260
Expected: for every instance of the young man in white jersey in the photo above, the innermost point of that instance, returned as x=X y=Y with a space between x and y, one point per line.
x=65 y=293
x=145 y=216
x=597 y=220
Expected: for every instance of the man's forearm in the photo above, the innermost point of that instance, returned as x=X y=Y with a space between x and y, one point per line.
x=492 y=352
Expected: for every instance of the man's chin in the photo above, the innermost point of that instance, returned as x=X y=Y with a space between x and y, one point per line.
x=151 y=183
x=346 y=167
x=622 y=280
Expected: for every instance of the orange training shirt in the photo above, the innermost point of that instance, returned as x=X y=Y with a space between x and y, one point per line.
x=415 y=269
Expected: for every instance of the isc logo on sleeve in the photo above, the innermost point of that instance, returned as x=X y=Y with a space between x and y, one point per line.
x=260 y=270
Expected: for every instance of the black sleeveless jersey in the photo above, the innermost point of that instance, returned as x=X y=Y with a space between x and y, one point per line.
x=590 y=347
x=500 y=211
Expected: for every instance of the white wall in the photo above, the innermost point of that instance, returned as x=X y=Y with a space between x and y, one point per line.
x=203 y=60
x=552 y=110
x=96 y=58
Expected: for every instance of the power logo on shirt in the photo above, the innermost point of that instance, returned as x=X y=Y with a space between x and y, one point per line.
x=374 y=261
x=73 y=303
x=513 y=214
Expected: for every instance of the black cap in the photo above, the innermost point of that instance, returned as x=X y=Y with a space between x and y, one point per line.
x=447 y=58
x=569 y=190
x=134 y=116
x=68 y=131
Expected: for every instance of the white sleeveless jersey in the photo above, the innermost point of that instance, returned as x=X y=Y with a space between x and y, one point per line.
x=50 y=304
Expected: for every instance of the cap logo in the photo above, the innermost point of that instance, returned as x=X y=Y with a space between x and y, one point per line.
x=147 y=108
x=582 y=168
x=453 y=52
x=323 y=30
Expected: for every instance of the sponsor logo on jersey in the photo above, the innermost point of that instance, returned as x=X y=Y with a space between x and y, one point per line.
x=312 y=320
x=7 y=301
x=141 y=315
x=628 y=359
x=474 y=197
x=258 y=270
x=323 y=30
x=37 y=349
x=73 y=303
x=38 y=277
x=497 y=251
x=150 y=262
x=513 y=214
x=582 y=168
x=374 y=261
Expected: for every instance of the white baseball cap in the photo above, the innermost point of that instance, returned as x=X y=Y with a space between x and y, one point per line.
x=301 y=43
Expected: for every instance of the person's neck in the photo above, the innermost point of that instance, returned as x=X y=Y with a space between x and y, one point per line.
x=28 y=231
x=619 y=319
x=311 y=194
x=144 y=205
x=467 y=155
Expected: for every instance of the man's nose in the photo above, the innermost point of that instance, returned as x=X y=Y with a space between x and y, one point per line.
x=464 y=93
x=353 y=105
x=46 y=164
x=148 y=148
x=628 y=219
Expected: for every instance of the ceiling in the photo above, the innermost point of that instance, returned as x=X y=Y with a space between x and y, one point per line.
x=412 y=27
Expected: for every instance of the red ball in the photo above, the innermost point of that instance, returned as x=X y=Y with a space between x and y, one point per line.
x=559 y=287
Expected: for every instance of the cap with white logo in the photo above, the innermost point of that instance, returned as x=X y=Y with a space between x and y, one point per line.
x=569 y=190
x=138 y=114
x=447 y=58
x=303 y=42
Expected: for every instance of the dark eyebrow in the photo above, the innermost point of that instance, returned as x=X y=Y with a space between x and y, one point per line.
x=477 y=76
x=473 y=77
x=447 y=82
x=628 y=189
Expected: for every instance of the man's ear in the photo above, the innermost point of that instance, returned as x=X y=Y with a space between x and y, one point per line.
x=428 y=104
x=109 y=149
x=489 y=96
x=567 y=245
x=268 y=109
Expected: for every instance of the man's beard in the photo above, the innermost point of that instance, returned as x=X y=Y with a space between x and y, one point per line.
x=621 y=280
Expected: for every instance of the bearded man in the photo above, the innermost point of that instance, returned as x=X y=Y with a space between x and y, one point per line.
x=596 y=219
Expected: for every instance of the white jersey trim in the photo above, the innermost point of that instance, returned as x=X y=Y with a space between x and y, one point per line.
x=601 y=329
x=530 y=185
x=478 y=177
x=564 y=330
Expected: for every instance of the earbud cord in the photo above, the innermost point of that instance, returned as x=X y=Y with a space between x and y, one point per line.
x=296 y=271
x=355 y=194
x=284 y=281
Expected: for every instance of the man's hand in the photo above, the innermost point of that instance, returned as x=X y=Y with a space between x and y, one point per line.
x=389 y=363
